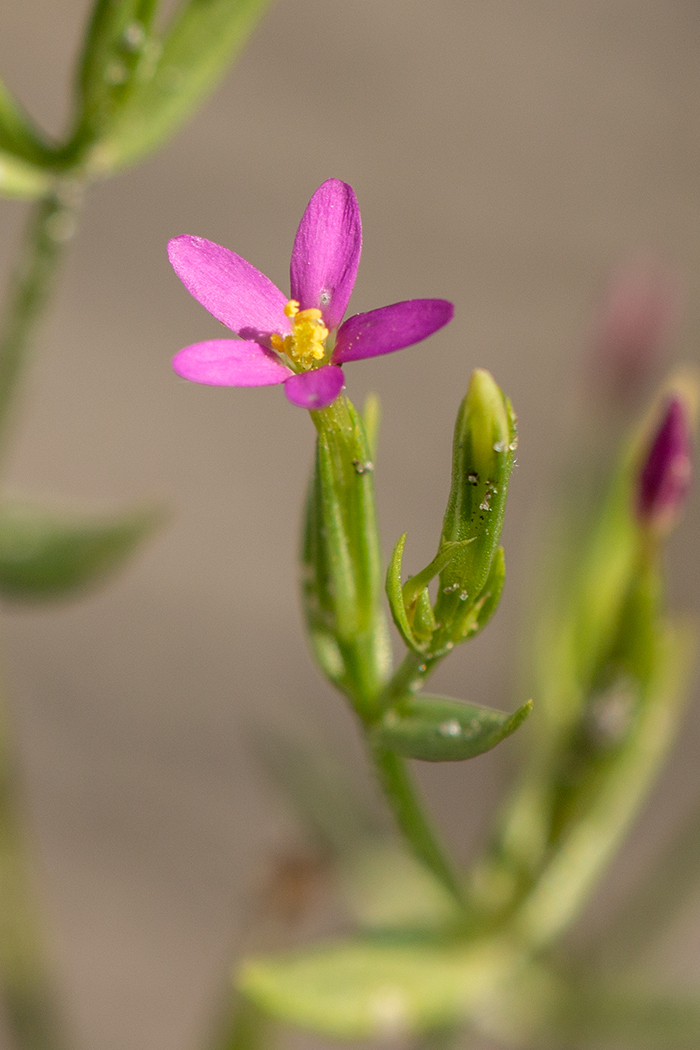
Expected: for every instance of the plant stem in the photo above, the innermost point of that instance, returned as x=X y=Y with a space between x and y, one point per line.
x=51 y=225
x=413 y=822
x=25 y=987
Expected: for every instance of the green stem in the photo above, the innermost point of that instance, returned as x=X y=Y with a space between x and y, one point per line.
x=50 y=226
x=412 y=820
x=25 y=987
x=244 y=1027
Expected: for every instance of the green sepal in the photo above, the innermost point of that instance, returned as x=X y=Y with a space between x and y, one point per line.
x=46 y=555
x=476 y=616
x=119 y=51
x=394 y=593
x=20 y=179
x=437 y=729
x=485 y=440
x=404 y=601
x=197 y=48
x=377 y=988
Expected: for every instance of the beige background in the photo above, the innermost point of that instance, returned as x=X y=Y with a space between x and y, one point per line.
x=505 y=154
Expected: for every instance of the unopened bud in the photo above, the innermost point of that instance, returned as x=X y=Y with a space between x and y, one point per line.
x=484 y=443
x=665 y=475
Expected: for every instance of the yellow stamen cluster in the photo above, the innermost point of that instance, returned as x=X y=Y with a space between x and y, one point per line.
x=306 y=343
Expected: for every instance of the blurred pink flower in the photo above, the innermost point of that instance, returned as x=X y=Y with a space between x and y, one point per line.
x=634 y=326
x=299 y=341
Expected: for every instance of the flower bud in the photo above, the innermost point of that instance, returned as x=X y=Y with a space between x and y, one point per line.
x=665 y=474
x=482 y=458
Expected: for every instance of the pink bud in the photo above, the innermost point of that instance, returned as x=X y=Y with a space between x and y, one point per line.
x=664 y=479
x=634 y=326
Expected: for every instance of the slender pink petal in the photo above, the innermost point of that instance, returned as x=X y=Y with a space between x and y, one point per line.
x=664 y=480
x=390 y=328
x=230 y=362
x=315 y=389
x=237 y=294
x=326 y=251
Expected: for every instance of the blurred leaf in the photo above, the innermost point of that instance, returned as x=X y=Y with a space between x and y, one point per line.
x=117 y=46
x=437 y=729
x=198 y=47
x=377 y=988
x=18 y=134
x=46 y=554
x=19 y=178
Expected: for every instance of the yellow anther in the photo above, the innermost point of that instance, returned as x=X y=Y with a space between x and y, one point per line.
x=306 y=343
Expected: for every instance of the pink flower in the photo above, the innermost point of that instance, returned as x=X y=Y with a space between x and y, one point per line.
x=298 y=341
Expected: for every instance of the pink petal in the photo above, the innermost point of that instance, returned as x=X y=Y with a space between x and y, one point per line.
x=326 y=251
x=237 y=294
x=315 y=389
x=390 y=328
x=230 y=362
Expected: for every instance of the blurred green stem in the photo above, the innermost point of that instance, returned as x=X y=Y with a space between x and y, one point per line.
x=50 y=226
x=25 y=988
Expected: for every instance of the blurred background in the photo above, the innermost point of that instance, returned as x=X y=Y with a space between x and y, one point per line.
x=505 y=155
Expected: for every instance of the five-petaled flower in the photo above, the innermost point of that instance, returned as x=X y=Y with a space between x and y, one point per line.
x=298 y=341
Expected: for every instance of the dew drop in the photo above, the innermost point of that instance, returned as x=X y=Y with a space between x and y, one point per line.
x=485 y=505
x=422 y=668
x=134 y=36
x=325 y=297
x=500 y=446
x=450 y=728
x=463 y=596
x=513 y=445
x=363 y=468
x=451 y=588
x=473 y=479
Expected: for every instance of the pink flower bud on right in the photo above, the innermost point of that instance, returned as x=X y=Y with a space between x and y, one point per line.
x=665 y=476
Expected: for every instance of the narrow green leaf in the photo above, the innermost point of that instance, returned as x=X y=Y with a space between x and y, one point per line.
x=437 y=729
x=377 y=989
x=18 y=134
x=198 y=47
x=46 y=554
x=20 y=179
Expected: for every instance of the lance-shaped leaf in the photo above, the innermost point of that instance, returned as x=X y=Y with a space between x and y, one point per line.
x=485 y=440
x=368 y=989
x=20 y=179
x=119 y=51
x=45 y=554
x=437 y=729
x=197 y=48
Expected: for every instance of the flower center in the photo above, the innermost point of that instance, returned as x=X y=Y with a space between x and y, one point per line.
x=306 y=344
